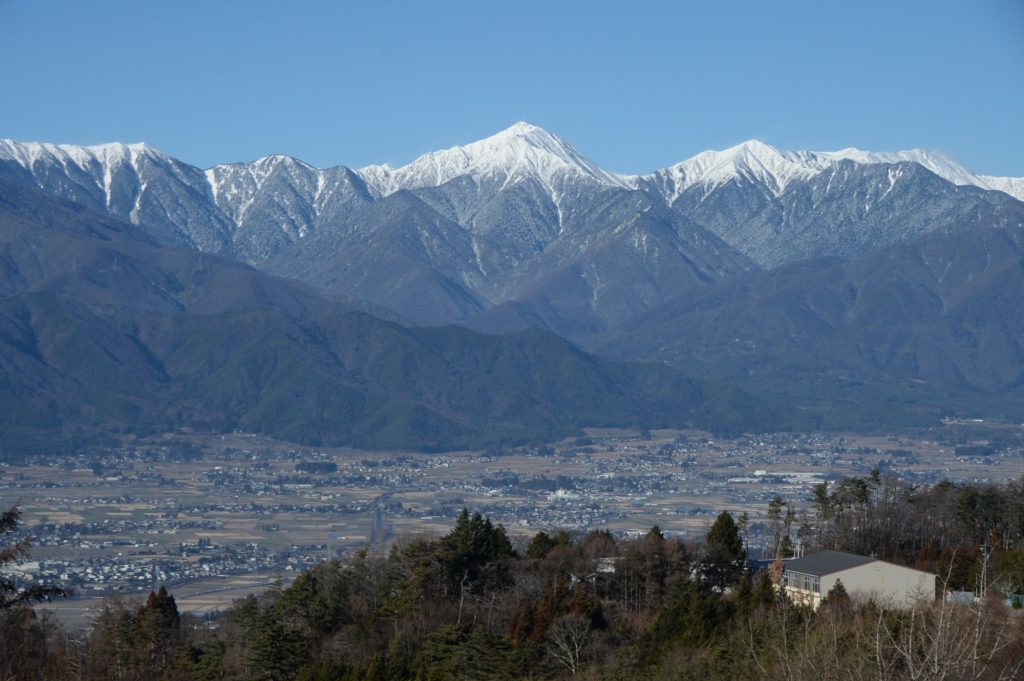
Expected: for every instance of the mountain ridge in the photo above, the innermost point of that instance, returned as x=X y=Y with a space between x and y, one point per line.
x=159 y=267
x=523 y=220
x=509 y=150
x=104 y=330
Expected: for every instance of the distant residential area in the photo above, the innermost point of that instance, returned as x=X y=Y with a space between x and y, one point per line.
x=183 y=510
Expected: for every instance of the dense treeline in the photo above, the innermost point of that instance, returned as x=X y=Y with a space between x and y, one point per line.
x=472 y=605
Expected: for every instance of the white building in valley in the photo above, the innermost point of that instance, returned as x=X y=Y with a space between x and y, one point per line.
x=808 y=580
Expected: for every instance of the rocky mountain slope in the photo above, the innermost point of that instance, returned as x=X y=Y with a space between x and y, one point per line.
x=104 y=330
x=902 y=334
x=139 y=292
x=521 y=228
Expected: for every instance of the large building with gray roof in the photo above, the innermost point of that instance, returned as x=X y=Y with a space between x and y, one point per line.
x=807 y=580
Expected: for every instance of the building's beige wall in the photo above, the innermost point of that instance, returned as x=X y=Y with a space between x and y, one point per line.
x=802 y=597
x=888 y=584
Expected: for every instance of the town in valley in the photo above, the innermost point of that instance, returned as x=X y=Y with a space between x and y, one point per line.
x=216 y=517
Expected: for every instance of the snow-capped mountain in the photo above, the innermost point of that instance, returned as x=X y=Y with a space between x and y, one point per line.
x=519 y=153
x=134 y=181
x=845 y=210
x=752 y=161
x=296 y=197
x=776 y=170
x=523 y=218
x=778 y=207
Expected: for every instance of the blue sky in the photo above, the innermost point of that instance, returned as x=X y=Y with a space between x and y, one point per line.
x=635 y=86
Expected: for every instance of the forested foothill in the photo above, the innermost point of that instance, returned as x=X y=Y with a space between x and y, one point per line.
x=474 y=604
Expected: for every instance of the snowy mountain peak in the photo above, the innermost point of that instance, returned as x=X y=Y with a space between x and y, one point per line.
x=753 y=147
x=1014 y=186
x=281 y=160
x=752 y=157
x=522 y=129
x=752 y=160
x=521 y=151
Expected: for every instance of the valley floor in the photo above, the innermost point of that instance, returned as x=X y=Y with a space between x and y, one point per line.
x=218 y=516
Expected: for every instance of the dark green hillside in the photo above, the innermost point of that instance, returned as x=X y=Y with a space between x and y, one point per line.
x=343 y=379
x=894 y=337
x=104 y=331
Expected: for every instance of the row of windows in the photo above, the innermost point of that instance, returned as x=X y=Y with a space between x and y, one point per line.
x=803 y=582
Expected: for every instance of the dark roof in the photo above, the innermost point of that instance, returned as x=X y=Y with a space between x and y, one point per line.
x=826 y=562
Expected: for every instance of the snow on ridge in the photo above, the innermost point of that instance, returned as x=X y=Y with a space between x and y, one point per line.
x=27 y=153
x=380 y=179
x=522 y=150
x=1014 y=186
x=752 y=159
x=214 y=183
x=525 y=151
x=935 y=161
x=97 y=162
x=259 y=170
x=777 y=169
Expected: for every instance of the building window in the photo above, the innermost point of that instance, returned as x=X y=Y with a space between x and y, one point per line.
x=798 y=580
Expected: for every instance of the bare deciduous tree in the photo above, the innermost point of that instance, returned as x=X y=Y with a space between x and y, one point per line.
x=935 y=641
x=567 y=638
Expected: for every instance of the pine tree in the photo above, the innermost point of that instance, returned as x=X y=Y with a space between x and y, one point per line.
x=724 y=552
x=470 y=546
x=744 y=595
x=276 y=650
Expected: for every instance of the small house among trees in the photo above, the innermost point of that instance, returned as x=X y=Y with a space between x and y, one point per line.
x=808 y=579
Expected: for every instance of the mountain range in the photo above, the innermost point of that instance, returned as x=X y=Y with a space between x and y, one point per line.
x=832 y=278
x=522 y=218
x=105 y=330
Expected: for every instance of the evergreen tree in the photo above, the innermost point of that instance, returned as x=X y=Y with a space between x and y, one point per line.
x=276 y=650
x=473 y=544
x=775 y=507
x=155 y=631
x=765 y=591
x=837 y=598
x=13 y=593
x=744 y=595
x=540 y=545
x=23 y=635
x=207 y=662
x=786 y=547
x=724 y=553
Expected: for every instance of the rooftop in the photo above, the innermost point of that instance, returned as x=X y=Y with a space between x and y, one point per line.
x=826 y=562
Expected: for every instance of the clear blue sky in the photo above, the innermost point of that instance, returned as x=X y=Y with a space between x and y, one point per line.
x=635 y=86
